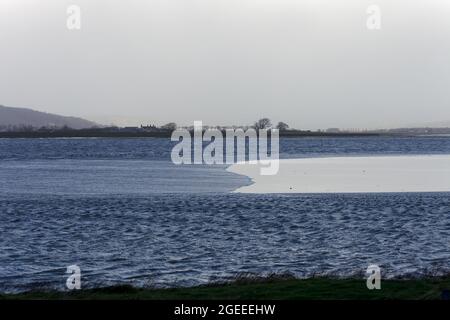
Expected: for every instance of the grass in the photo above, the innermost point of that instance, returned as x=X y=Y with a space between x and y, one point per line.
x=270 y=288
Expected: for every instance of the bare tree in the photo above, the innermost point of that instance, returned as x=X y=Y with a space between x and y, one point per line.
x=263 y=123
x=282 y=126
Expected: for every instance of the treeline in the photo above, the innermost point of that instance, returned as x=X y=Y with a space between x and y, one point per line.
x=166 y=130
x=28 y=128
x=263 y=123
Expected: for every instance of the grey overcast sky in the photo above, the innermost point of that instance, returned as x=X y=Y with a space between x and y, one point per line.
x=310 y=63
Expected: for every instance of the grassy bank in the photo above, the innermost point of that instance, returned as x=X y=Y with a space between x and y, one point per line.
x=277 y=289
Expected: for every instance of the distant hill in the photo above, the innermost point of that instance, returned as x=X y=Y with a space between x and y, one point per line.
x=438 y=124
x=26 y=117
x=435 y=124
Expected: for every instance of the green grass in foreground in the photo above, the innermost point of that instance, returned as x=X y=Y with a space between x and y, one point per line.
x=274 y=289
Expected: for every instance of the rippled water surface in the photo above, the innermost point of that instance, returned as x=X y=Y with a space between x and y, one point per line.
x=121 y=211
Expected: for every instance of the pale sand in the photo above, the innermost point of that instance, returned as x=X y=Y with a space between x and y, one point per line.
x=426 y=173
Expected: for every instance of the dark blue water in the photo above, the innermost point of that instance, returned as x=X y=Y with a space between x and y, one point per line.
x=121 y=211
x=159 y=149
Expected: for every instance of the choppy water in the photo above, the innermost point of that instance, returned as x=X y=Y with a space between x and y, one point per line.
x=159 y=149
x=122 y=212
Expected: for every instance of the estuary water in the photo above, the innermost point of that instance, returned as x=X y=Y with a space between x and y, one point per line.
x=122 y=212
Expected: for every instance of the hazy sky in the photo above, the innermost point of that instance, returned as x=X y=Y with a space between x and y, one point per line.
x=311 y=63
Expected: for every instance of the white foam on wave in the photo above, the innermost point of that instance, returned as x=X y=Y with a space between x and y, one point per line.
x=424 y=173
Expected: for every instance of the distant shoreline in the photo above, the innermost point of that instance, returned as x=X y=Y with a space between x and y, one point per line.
x=124 y=134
